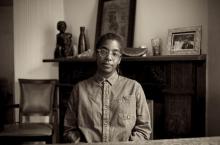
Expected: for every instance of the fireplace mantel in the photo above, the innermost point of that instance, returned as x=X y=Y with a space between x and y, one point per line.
x=176 y=84
x=147 y=58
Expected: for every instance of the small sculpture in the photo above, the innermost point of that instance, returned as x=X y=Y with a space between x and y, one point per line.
x=64 y=45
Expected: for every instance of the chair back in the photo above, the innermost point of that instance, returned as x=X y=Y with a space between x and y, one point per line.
x=37 y=99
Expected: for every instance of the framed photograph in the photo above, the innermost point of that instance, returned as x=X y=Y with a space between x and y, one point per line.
x=117 y=16
x=184 y=41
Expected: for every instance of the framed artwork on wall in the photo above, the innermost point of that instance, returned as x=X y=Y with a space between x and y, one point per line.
x=116 y=16
x=185 y=41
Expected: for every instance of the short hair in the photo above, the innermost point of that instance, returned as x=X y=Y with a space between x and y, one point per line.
x=110 y=36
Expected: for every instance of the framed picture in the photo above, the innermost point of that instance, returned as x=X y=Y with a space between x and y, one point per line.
x=116 y=16
x=184 y=41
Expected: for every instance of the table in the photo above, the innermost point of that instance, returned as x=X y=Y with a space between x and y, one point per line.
x=182 y=141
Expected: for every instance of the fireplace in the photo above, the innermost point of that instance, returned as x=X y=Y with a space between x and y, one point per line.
x=176 y=84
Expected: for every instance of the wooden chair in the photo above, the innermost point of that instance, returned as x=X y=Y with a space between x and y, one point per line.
x=37 y=113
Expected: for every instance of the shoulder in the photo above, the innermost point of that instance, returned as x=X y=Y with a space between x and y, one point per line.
x=85 y=82
x=126 y=79
x=129 y=81
x=82 y=86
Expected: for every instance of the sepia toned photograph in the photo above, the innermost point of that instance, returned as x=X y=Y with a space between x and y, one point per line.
x=109 y=72
x=184 y=41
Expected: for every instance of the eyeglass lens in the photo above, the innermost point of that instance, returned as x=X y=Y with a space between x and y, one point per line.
x=104 y=52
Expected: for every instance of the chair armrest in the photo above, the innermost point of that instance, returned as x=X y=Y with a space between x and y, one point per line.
x=10 y=106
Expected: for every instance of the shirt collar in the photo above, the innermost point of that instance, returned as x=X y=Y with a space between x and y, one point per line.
x=111 y=80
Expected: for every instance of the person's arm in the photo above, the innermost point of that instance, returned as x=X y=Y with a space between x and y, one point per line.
x=142 y=129
x=71 y=132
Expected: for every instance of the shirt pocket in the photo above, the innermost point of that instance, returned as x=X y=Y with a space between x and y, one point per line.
x=126 y=111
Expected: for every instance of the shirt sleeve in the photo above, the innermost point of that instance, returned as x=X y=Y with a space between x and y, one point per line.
x=71 y=132
x=142 y=129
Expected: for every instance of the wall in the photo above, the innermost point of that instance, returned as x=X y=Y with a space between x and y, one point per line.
x=6 y=47
x=79 y=13
x=6 y=58
x=213 y=100
x=35 y=38
x=153 y=18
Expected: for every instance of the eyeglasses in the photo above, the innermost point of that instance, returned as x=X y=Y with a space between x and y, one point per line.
x=105 y=52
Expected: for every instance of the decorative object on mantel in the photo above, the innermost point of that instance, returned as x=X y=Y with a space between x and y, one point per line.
x=185 y=41
x=134 y=51
x=156 y=46
x=86 y=54
x=116 y=16
x=82 y=45
x=64 y=47
x=146 y=51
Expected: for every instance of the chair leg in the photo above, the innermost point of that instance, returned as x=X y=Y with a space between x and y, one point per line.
x=49 y=140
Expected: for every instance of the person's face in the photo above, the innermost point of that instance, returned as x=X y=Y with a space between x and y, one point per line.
x=108 y=57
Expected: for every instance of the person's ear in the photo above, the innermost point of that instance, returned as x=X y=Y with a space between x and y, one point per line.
x=119 y=60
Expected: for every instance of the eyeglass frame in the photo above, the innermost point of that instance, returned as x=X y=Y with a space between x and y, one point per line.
x=107 y=52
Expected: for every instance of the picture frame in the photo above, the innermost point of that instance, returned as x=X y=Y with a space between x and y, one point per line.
x=185 y=41
x=117 y=16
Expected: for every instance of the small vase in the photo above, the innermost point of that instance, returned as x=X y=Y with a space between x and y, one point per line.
x=82 y=45
x=156 y=42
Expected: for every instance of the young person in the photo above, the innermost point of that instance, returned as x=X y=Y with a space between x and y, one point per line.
x=107 y=107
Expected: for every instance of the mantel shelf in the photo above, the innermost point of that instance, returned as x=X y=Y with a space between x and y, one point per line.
x=147 y=58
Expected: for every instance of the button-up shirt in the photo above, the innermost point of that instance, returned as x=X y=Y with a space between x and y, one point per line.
x=107 y=110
